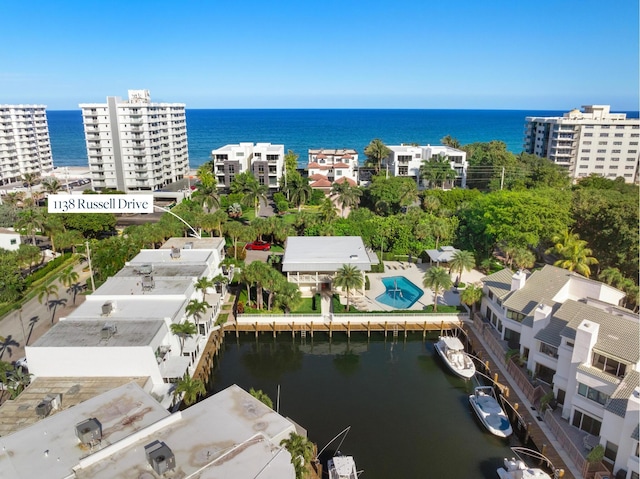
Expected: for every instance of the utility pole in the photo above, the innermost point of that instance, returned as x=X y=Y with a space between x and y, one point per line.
x=502 y=179
x=93 y=285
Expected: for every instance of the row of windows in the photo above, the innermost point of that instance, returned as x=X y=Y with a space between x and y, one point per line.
x=592 y=394
x=608 y=365
x=515 y=315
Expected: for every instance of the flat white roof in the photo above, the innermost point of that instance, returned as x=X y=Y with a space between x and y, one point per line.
x=134 y=285
x=50 y=448
x=194 y=243
x=187 y=256
x=178 y=270
x=88 y=333
x=131 y=307
x=324 y=253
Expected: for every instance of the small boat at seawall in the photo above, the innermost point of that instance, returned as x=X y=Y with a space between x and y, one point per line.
x=516 y=468
x=342 y=467
x=451 y=350
x=486 y=406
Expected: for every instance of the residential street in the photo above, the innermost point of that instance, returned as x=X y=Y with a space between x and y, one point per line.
x=34 y=319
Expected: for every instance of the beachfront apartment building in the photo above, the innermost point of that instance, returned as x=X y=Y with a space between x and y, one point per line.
x=123 y=329
x=134 y=144
x=586 y=142
x=125 y=433
x=25 y=146
x=264 y=160
x=405 y=160
x=328 y=166
x=574 y=336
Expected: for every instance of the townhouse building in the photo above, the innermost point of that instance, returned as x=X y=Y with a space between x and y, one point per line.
x=264 y=160
x=405 y=160
x=592 y=141
x=573 y=336
x=124 y=329
x=134 y=144
x=25 y=146
x=328 y=166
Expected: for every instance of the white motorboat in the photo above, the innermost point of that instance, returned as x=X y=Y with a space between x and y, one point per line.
x=342 y=467
x=451 y=350
x=516 y=468
x=486 y=406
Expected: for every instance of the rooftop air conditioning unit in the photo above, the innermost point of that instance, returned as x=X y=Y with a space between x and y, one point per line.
x=148 y=283
x=108 y=330
x=160 y=457
x=43 y=409
x=107 y=308
x=89 y=431
x=175 y=253
x=145 y=269
x=188 y=245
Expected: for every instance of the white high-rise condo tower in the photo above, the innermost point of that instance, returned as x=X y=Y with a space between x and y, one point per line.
x=135 y=145
x=24 y=142
x=587 y=142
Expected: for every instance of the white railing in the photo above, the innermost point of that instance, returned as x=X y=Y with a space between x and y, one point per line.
x=567 y=445
x=346 y=319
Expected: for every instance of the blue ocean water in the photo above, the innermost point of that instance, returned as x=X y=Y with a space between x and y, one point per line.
x=300 y=129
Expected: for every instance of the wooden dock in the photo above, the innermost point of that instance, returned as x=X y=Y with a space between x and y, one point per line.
x=525 y=420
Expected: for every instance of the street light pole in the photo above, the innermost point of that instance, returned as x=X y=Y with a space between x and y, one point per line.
x=93 y=285
x=24 y=336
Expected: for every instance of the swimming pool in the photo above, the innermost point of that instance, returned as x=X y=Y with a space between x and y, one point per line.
x=400 y=292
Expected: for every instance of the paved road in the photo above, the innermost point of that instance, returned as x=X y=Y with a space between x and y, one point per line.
x=34 y=319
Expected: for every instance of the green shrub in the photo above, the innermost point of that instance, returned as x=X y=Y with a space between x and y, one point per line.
x=50 y=266
x=367 y=283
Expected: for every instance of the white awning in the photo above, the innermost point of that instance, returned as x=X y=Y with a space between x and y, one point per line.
x=174 y=366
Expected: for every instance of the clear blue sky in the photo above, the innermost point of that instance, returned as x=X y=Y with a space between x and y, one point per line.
x=498 y=54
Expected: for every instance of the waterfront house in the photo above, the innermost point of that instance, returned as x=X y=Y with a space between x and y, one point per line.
x=327 y=166
x=264 y=160
x=124 y=328
x=405 y=160
x=311 y=262
x=125 y=432
x=573 y=336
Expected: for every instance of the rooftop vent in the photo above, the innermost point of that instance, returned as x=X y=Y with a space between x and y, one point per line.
x=145 y=269
x=160 y=457
x=107 y=308
x=148 y=283
x=89 y=431
x=188 y=245
x=353 y=256
x=108 y=330
x=175 y=253
x=43 y=409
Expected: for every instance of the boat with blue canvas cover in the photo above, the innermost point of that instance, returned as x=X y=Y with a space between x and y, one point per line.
x=486 y=406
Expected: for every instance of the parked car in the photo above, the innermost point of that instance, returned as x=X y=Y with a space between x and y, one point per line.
x=259 y=245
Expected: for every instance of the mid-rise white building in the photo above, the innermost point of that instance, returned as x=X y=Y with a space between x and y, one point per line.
x=134 y=144
x=25 y=146
x=406 y=160
x=328 y=166
x=586 y=142
x=264 y=160
x=576 y=339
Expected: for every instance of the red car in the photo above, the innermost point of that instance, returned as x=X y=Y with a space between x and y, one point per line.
x=259 y=245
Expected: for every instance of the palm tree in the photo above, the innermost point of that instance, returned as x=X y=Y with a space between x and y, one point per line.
x=69 y=278
x=461 y=261
x=431 y=204
x=438 y=280
x=441 y=229
x=348 y=277
x=13 y=198
x=523 y=258
x=254 y=194
x=259 y=272
x=46 y=291
x=234 y=230
x=262 y=397
x=437 y=171
x=31 y=220
x=298 y=190
x=52 y=186
x=288 y=297
x=183 y=331
x=327 y=211
x=301 y=450
x=376 y=151
x=574 y=253
x=346 y=195
x=471 y=296
x=30 y=179
x=451 y=142
x=203 y=284
x=196 y=309
x=611 y=276
x=53 y=225
x=18 y=381
x=190 y=389
x=206 y=193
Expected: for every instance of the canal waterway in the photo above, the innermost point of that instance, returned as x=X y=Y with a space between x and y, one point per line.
x=409 y=417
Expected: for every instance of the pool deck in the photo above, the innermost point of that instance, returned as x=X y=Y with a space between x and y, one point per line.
x=414 y=273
